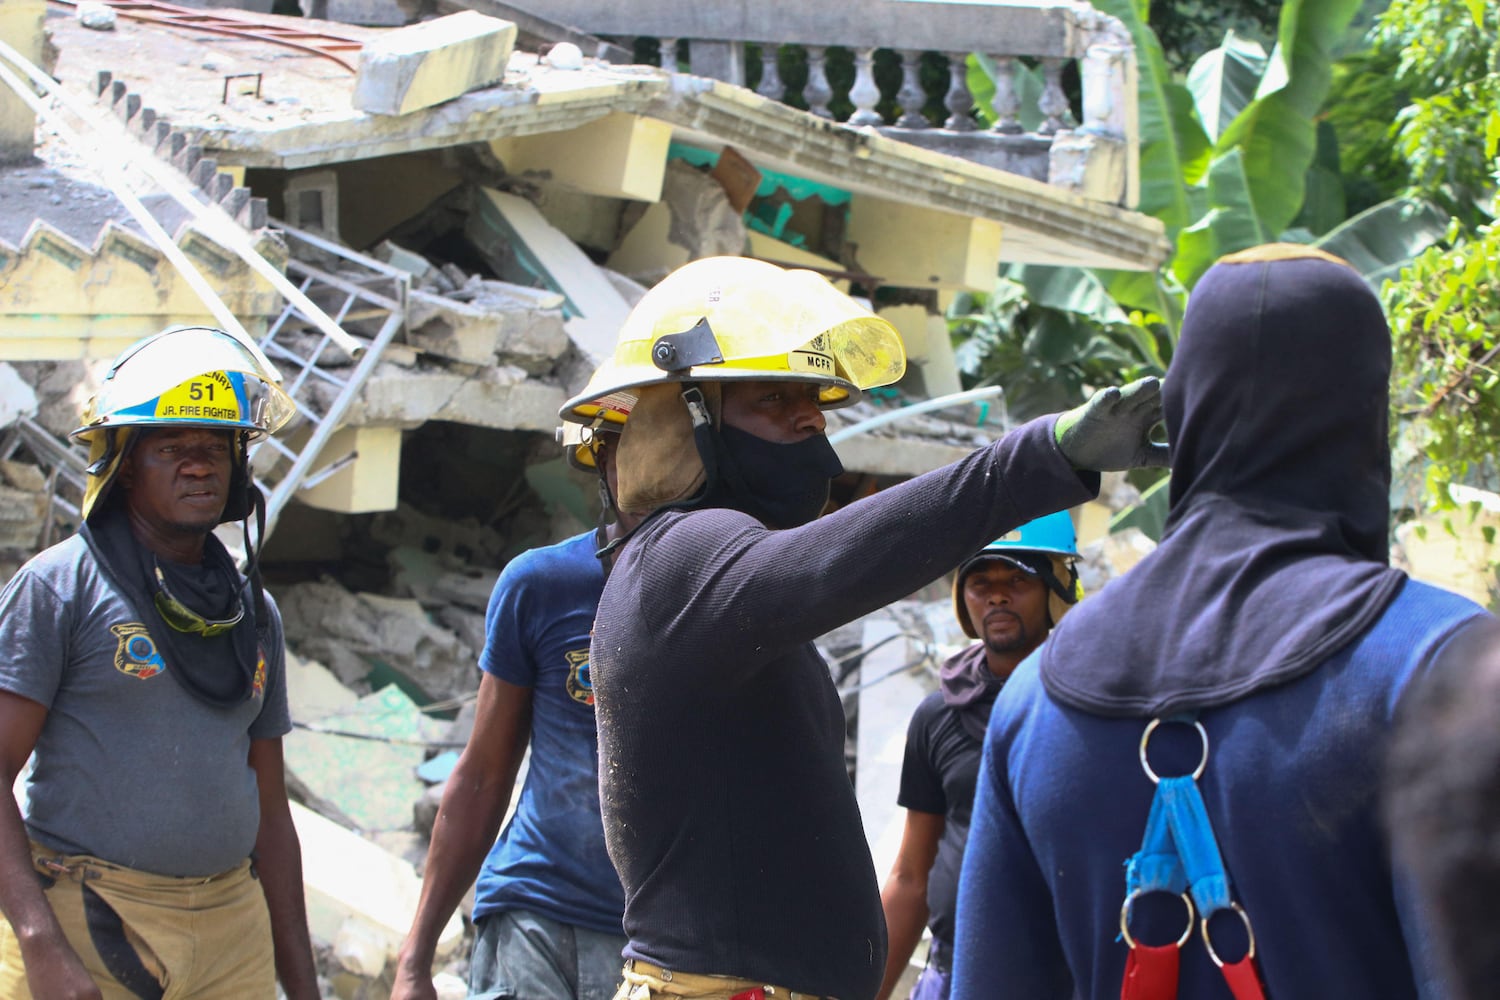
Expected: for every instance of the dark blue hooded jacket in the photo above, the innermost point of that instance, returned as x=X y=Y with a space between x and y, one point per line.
x=1270 y=612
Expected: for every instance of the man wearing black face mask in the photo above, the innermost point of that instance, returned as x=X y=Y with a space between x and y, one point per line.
x=727 y=810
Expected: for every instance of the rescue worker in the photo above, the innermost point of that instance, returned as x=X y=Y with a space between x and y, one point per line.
x=1008 y=596
x=727 y=809
x=156 y=851
x=548 y=903
x=1181 y=785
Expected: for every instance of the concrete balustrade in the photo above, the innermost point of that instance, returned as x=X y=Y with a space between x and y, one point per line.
x=1092 y=152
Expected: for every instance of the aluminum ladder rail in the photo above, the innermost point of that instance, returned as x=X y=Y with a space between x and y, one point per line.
x=368 y=293
x=65 y=466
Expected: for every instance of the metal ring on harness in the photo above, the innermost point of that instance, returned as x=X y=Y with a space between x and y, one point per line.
x=1125 y=917
x=1146 y=739
x=1249 y=932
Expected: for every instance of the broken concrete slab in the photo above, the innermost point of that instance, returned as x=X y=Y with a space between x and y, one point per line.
x=501 y=397
x=511 y=233
x=409 y=261
x=315 y=693
x=426 y=64
x=467 y=625
x=350 y=882
x=365 y=760
x=396 y=632
x=694 y=219
x=23 y=517
x=17 y=397
x=472 y=332
x=23 y=476
x=438 y=581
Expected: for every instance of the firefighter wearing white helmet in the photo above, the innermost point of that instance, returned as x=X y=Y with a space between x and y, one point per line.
x=728 y=811
x=145 y=675
x=182 y=377
x=1008 y=595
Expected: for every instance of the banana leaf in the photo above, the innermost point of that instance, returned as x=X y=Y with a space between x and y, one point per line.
x=1381 y=240
x=1224 y=81
x=1276 y=133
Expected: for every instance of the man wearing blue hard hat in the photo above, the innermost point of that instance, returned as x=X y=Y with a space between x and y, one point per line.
x=1008 y=596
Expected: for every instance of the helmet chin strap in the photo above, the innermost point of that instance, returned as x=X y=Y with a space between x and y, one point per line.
x=703 y=435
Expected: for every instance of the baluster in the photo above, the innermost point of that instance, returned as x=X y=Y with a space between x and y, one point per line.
x=817 y=92
x=1053 y=103
x=668 y=57
x=1007 y=102
x=771 y=86
x=958 y=100
x=911 y=97
x=865 y=93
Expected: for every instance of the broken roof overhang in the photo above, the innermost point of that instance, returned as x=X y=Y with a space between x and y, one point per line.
x=1042 y=223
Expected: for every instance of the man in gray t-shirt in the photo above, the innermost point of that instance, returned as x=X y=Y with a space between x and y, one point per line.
x=144 y=676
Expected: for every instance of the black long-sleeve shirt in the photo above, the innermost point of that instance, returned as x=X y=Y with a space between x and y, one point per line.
x=727 y=809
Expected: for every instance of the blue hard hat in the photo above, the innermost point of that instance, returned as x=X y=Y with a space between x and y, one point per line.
x=1051 y=533
x=1045 y=547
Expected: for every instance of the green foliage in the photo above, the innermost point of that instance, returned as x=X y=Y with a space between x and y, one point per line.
x=1448 y=60
x=1224 y=81
x=1445 y=320
x=1189 y=28
x=1364 y=98
x=1045 y=334
x=1445 y=308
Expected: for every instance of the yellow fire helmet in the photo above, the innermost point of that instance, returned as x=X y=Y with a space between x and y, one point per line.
x=190 y=376
x=728 y=318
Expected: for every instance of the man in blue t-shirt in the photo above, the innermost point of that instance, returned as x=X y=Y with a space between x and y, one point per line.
x=548 y=903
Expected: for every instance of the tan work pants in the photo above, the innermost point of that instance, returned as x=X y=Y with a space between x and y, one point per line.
x=644 y=981
x=144 y=936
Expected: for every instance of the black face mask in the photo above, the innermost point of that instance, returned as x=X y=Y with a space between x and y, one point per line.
x=782 y=485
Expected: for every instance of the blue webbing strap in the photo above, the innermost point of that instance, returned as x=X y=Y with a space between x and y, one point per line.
x=1179 y=850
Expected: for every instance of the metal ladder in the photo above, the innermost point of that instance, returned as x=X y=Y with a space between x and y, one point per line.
x=364 y=296
x=63 y=464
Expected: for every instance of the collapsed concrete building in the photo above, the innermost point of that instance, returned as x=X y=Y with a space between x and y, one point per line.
x=456 y=224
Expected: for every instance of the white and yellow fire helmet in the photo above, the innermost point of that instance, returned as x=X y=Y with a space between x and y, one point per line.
x=189 y=376
x=729 y=318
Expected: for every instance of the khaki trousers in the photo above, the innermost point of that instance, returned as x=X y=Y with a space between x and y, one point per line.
x=153 y=937
x=644 y=981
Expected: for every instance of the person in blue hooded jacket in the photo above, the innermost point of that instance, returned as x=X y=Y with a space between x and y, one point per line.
x=1249 y=668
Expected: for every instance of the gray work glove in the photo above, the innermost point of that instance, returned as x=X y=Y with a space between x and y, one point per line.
x=1112 y=431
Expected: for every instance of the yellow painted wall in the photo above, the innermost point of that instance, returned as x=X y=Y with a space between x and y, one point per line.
x=619 y=156
x=368 y=483
x=62 y=300
x=770 y=248
x=21 y=29
x=376 y=195
x=922 y=248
